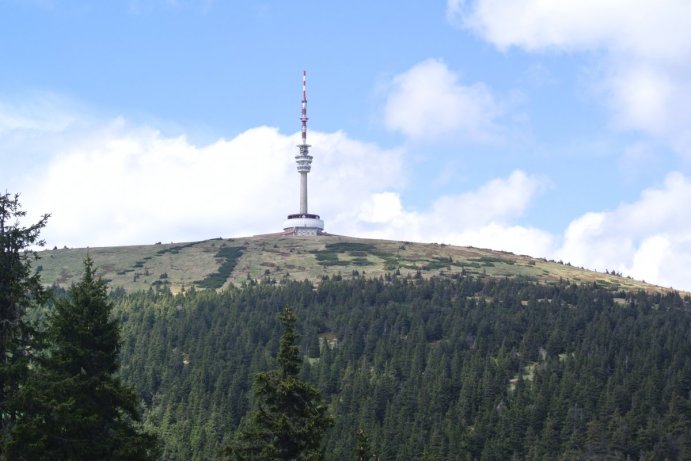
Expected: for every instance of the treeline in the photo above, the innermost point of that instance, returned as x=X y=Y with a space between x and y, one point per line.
x=462 y=368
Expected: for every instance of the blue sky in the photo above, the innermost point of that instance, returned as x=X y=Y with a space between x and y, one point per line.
x=557 y=129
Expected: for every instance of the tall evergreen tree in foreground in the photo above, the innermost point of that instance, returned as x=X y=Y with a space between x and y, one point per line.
x=76 y=407
x=289 y=419
x=20 y=288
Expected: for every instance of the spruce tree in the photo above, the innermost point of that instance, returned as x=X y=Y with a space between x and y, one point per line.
x=289 y=419
x=363 y=450
x=75 y=406
x=20 y=289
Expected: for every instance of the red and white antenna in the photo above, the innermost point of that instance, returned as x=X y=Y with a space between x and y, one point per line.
x=303 y=117
x=304 y=159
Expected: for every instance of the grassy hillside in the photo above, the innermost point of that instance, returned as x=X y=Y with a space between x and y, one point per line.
x=219 y=262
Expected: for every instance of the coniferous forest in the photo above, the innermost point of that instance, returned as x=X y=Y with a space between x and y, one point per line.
x=447 y=368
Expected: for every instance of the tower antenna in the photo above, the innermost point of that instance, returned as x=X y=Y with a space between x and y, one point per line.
x=303 y=117
x=304 y=159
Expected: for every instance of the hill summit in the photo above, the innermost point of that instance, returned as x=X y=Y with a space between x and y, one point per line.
x=219 y=263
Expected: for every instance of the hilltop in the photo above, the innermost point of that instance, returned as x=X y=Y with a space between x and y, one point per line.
x=219 y=263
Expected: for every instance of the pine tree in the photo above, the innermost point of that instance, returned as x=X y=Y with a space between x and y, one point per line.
x=363 y=450
x=20 y=289
x=75 y=406
x=289 y=419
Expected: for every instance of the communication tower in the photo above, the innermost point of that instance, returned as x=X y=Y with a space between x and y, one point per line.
x=304 y=222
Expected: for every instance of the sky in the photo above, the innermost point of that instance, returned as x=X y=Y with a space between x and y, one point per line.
x=556 y=129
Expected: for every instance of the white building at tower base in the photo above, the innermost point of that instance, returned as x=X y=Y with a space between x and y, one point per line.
x=303 y=224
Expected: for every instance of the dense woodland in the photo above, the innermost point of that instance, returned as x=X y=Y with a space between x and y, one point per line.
x=448 y=368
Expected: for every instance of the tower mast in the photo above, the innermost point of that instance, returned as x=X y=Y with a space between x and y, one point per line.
x=304 y=159
x=303 y=223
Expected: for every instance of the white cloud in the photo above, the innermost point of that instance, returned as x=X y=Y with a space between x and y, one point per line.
x=517 y=239
x=427 y=101
x=127 y=185
x=645 y=48
x=648 y=239
x=649 y=29
x=381 y=208
x=45 y=112
x=483 y=217
x=654 y=98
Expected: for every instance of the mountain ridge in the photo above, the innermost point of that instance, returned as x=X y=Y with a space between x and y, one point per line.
x=218 y=263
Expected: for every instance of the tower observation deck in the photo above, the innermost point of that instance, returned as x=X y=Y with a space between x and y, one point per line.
x=303 y=223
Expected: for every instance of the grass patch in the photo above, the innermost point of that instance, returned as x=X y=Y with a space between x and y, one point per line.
x=329 y=258
x=361 y=262
x=335 y=263
x=490 y=260
x=413 y=267
x=391 y=264
x=606 y=284
x=438 y=263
